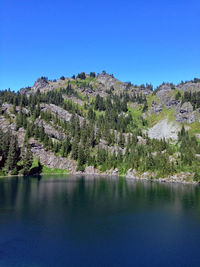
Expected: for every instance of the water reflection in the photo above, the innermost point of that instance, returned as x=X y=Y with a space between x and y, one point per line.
x=95 y=193
x=98 y=221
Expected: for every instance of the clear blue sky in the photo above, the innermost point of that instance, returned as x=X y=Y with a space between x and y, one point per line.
x=139 y=41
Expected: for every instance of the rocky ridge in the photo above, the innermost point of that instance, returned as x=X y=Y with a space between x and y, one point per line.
x=86 y=90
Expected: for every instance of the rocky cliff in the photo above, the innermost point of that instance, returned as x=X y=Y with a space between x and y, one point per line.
x=116 y=116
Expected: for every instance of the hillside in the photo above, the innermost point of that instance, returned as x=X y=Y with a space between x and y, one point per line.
x=97 y=124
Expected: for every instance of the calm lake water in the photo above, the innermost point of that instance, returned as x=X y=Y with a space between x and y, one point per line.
x=80 y=221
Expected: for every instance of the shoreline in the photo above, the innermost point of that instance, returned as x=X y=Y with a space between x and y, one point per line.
x=131 y=177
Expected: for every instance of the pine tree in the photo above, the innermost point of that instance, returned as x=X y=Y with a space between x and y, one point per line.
x=5 y=142
x=37 y=132
x=27 y=157
x=91 y=114
x=41 y=133
x=66 y=147
x=81 y=159
x=75 y=149
x=46 y=141
x=13 y=155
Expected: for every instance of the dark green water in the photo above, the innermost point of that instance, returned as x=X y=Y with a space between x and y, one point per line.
x=77 y=221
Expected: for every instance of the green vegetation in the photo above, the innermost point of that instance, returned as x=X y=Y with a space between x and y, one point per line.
x=138 y=122
x=83 y=82
x=105 y=132
x=165 y=113
x=46 y=170
x=193 y=98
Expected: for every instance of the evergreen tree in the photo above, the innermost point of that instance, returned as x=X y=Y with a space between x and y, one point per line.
x=41 y=133
x=13 y=155
x=81 y=159
x=74 y=149
x=27 y=157
x=66 y=147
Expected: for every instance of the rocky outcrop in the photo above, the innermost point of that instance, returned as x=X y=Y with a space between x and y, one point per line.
x=189 y=86
x=58 y=111
x=182 y=177
x=112 y=149
x=109 y=81
x=91 y=170
x=155 y=108
x=50 y=130
x=132 y=174
x=5 y=126
x=49 y=159
x=185 y=113
x=40 y=83
x=8 y=108
x=166 y=96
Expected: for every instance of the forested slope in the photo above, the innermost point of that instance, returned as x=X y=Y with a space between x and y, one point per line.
x=98 y=124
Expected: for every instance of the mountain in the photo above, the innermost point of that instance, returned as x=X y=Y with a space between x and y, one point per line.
x=96 y=124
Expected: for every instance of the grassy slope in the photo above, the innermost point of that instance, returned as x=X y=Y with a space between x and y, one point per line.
x=46 y=170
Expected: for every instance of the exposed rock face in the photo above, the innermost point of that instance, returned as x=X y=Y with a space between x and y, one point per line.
x=186 y=108
x=182 y=177
x=47 y=158
x=5 y=126
x=189 y=86
x=100 y=85
x=165 y=87
x=111 y=149
x=131 y=174
x=40 y=84
x=164 y=129
x=50 y=160
x=185 y=113
x=109 y=81
x=91 y=170
x=51 y=131
x=156 y=108
x=58 y=111
x=8 y=108
x=165 y=94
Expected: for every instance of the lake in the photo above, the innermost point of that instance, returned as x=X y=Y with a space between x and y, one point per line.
x=98 y=221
